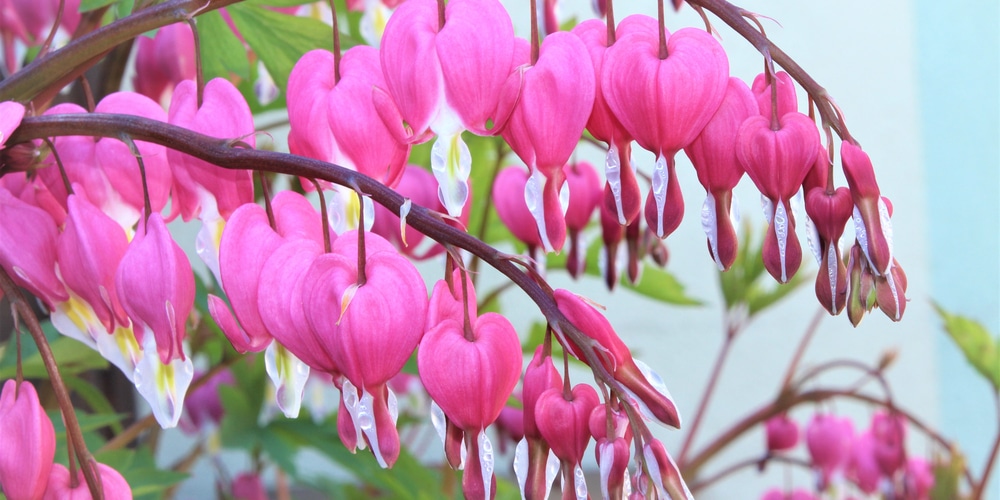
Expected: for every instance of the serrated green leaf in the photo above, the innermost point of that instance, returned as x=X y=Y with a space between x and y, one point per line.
x=222 y=53
x=976 y=343
x=280 y=40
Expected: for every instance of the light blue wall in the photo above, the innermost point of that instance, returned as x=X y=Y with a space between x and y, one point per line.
x=959 y=57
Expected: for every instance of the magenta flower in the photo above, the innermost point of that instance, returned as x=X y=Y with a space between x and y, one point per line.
x=872 y=221
x=861 y=467
x=829 y=441
x=919 y=479
x=713 y=154
x=889 y=434
x=370 y=328
x=248 y=486
x=446 y=78
x=546 y=121
x=112 y=483
x=536 y=466
x=564 y=422
x=28 y=248
x=164 y=61
x=641 y=88
x=777 y=155
x=782 y=433
x=663 y=472
x=512 y=209
x=584 y=195
x=786 y=100
x=471 y=380
x=27 y=442
x=829 y=215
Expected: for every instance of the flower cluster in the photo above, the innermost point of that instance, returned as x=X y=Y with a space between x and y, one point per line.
x=874 y=461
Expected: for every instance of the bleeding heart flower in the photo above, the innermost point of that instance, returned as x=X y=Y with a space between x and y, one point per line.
x=645 y=386
x=197 y=184
x=782 y=433
x=470 y=374
x=60 y=486
x=861 y=467
x=380 y=322
x=777 y=156
x=28 y=248
x=829 y=441
x=713 y=154
x=641 y=87
x=535 y=465
x=919 y=478
x=444 y=78
x=27 y=442
x=621 y=191
x=872 y=222
x=155 y=285
x=88 y=252
x=164 y=61
x=889 y=432
x=564 y=421
x=829 y=215
x=546 y=121
x=663 y=472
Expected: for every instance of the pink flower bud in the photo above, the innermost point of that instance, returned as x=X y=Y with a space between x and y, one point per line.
x=829 y=440
x=919 y=479
x=112 y=483
x=27 y=442
x=248 y=486
x=782 y=433
x=862 y=468
x=889 y=432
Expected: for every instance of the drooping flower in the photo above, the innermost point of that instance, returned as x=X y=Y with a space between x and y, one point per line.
x=155 y=285
x=60 y=486
x=829 y=214
x=379 y=324
x=829 y=441
x=546 y=121
x=470 y=371
x=512 y=208
x=163 y=61
x=779 y=103
x=28 y=248
x=563 y=419
x=713 y=154
x=663 y=471
x=641 y=86
x=584 y=195
x=777 y=155
x=446 y=78
x=534 y=463
x=27 y=442
x=782 y=433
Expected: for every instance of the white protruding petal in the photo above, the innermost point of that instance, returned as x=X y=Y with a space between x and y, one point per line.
x=521 y=464
x=812 y=236
x=404 y=210
x=895 y=294
x=886 y=222
x=551 y=471
x=533 y=199
x=289 y=376
x=451 y=163
x=486 y=461
x=657 y=383
x=660 y=182
x=162 y=386
x=344 y=210
x=710 y=224
x=613 y=173
x=605 y=460
x=210 y=238
x=580 y=483
x=373 y=22
x=438 y=420
x=767 y=206
x=265 y=88
x=832 y=261
x=366 y=421
x=781 y=231
x=352 y=403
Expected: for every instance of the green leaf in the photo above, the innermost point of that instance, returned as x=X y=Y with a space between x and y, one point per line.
x=89 y=5
x=94 y=398
x=654 y=282
x=222 y=53
x=976 y=343
x=70 y=355
x=280 y=40
x=748 y=284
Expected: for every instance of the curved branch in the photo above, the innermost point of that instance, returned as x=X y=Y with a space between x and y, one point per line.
x=65 y=64
x=734 y=17
x=222 y=152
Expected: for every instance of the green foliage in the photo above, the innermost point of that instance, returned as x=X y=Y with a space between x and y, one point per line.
x=69 y=354
x=748 y=284
x=976 y=343
x=279 y=40
x=222 y=53
x=948 y=475
x=654 y=282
